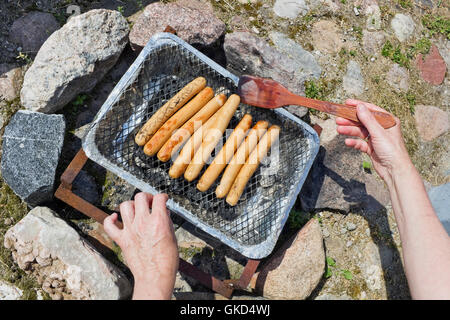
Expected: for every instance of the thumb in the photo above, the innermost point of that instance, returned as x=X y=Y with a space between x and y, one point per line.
x=368 y=120
x=111 y=229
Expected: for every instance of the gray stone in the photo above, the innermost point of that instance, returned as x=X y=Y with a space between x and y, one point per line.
x=440 y=199
x=10 y=80
x=32 y=30
x=194 y=22
x=74 y=59
x=306 y=66
x=373 y=14
x=373 y=42
x=337 y=181
x=290 y=8
x=32 y=144
x=295 y=270
x=9 y=292
x=44 y=244
x=398 y=78
x=247 y=54
x=85 y=186
x=353 y=80
x=403 y=26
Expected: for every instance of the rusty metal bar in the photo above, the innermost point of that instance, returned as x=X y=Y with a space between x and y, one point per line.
x=65 y=194
x=206 y=279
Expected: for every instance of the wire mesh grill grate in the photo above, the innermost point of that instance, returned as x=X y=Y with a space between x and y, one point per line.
x=260 y=211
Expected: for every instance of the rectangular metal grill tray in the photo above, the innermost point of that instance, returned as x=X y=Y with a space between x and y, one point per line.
x=164 y=66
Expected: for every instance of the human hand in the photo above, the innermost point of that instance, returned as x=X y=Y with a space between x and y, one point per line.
x=384 y=146
x=148 y=244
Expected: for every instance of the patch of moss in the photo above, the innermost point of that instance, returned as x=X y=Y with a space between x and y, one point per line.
x=395 y=54
x=437 y=24
x=405 y=4
x=188 y=253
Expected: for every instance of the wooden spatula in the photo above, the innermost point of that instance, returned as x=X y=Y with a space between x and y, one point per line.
x=269 y=94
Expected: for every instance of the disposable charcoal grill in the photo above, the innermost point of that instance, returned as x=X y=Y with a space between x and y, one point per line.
x=163 y=68
x=253 y=226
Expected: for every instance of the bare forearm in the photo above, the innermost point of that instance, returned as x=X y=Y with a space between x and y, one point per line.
x=426 y=245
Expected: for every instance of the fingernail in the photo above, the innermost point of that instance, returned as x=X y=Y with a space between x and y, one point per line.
x=362 y=107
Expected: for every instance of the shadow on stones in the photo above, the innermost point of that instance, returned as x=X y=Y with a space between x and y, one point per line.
x=391 y=263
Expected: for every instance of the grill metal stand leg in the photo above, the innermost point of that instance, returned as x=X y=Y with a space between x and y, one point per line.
x=65 y=194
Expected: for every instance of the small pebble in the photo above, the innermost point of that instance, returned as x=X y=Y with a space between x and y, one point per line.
x=349 y=243
x=8 y=221
x=372 y=59
x=351 y=226
x=356 y=11
x=325 y=233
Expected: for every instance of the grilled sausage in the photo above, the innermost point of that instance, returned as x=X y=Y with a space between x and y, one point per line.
x=184 y=158
x=168 y=109
x=252 y=164
x=240 y=157
x=184 y=114
x=225 y=154
x=180 y=136
x=212 y=138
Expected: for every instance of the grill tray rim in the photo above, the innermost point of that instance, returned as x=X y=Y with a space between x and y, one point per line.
x=257 y=251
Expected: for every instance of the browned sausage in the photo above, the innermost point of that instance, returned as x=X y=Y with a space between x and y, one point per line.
x=184 y=114
x=180 y=136
x=252 y=164
x=226 y=153
x=212 y=138
x=168 y=109
x=184 y=158
x=240 y=157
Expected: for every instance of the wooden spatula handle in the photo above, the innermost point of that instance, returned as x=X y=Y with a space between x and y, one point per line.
x=385 y=119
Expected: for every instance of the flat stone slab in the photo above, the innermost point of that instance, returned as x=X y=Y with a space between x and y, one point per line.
x=431 y=122
x=32 y=144
x=432 y=66
x=440 y=199
x=66 y=265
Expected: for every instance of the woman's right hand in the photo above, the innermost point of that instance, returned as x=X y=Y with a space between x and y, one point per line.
x=385 y=147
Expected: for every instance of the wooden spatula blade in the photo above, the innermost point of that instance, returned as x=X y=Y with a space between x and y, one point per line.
x=259 y=92
x=269 y=94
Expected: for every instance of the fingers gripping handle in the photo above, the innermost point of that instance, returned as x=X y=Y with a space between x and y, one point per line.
x=386 y=120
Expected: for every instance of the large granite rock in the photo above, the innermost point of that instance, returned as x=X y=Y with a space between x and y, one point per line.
x=295 y=270
x=10 y=80
x=32 y=144
x=194 y=22
x=67 y=266
x=31 y=30
x=290 y=65
x=74 y=59
x=337 y=181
